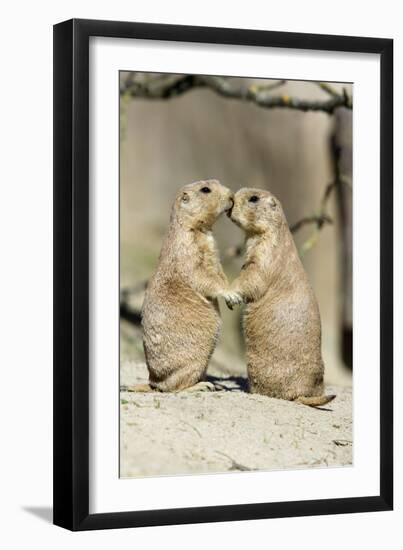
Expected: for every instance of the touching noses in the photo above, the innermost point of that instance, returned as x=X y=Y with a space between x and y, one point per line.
x=231 y=202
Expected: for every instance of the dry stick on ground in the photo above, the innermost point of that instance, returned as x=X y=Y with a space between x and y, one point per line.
x=172 y=86
x=236 y=465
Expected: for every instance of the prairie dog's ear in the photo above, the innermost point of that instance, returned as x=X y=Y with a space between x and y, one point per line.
x=185 y=197
x=272 y=203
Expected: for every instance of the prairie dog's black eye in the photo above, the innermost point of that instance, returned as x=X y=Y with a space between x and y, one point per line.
x=205 y=190
x=254 y=198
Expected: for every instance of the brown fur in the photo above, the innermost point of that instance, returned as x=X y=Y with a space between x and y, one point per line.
x=281 y=320
x=180 y=316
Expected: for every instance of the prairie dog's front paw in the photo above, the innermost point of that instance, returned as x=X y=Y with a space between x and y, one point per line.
x=232 y=298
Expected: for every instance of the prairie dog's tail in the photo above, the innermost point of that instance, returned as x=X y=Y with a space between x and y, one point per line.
x=315 y=401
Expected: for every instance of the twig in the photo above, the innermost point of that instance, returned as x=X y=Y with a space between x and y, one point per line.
x=322 y=217
x=342 y=442
x=190 y=426
x=267 y=87
x=327 y=88
x=319 y=220
x=334 y=93
x=236 y=465
x=174 y=85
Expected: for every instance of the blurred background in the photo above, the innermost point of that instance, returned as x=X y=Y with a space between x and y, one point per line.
x=293 y=138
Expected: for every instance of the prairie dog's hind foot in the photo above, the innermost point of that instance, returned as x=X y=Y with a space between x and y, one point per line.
x=141 y=388
x=200 y=386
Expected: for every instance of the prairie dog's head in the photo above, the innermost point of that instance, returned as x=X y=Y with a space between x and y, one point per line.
x=256 y=211
x=199 y=204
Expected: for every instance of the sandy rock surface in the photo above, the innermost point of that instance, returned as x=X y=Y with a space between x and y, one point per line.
x=227 y=430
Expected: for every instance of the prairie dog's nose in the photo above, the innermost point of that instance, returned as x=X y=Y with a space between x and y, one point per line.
x=231 y=202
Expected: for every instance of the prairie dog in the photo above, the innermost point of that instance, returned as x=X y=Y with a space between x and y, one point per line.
x=281 y=320
x=180 y=316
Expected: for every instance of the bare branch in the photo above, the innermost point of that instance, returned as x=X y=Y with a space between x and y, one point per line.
x=268 y=87
x=170 y=86
x=327 y=88
x=319 y=220
x=335 y=94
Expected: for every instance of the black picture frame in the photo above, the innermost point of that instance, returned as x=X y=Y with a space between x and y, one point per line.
x=71 y=274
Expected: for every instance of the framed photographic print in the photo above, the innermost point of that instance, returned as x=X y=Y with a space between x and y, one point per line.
x=223 y=317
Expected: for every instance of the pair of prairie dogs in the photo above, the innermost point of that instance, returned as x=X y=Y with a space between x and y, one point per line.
x=181 y=318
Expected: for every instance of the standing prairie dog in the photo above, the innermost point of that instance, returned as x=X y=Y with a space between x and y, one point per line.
x=281 y=320
x=180 y=315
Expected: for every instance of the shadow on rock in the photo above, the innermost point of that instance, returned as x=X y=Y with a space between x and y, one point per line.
x=229 y=383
